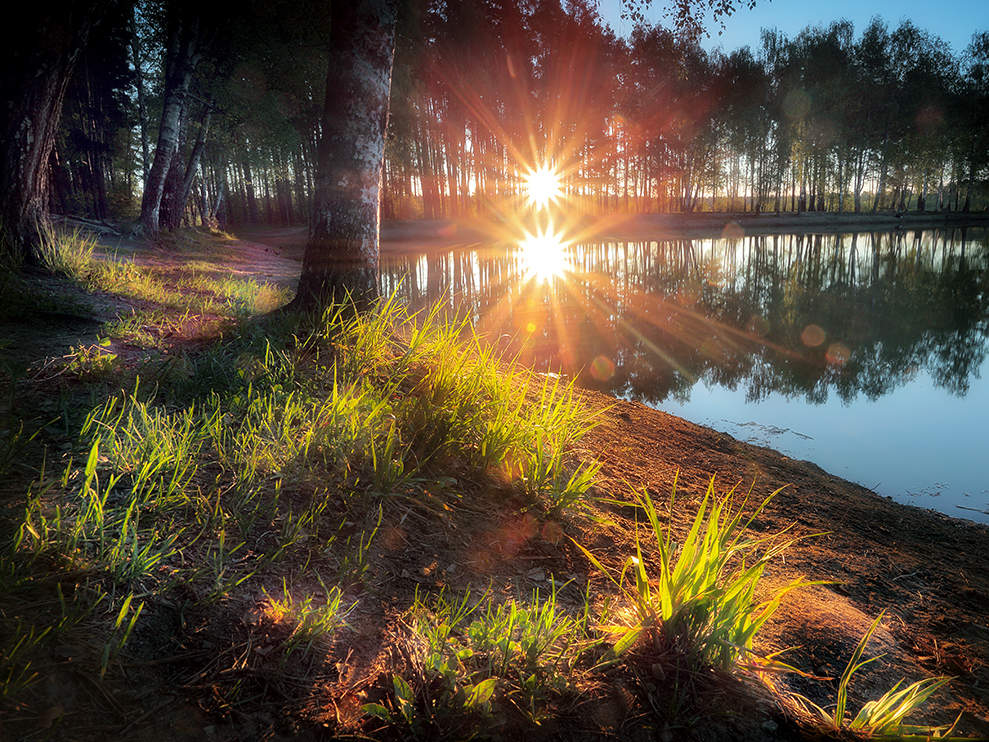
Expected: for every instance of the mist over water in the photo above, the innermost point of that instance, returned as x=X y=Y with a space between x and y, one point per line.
x=862 y=352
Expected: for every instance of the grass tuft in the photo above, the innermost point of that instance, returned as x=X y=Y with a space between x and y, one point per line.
x=478 y=658
x=700 y=597
x=883 y=717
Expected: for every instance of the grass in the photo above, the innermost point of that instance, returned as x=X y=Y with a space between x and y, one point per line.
x=73 y=254
x=190 y=504
x=313 y=619
x=883 y=717
x=700 y=598
x=218 y=470
x=479 y=661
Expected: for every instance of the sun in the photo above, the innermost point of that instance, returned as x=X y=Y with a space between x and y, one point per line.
x=544 y=255
x=542 y=186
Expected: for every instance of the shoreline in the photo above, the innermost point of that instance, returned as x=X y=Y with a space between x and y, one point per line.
x=929 y=570
x=422 y=234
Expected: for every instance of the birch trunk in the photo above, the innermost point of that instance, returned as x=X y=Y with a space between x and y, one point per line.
x=142 y=111
x=181 y=59
x=342 y=252
x=190 y=170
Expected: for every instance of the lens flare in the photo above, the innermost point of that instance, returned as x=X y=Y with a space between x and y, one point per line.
x=543 y=255
x=542 y=186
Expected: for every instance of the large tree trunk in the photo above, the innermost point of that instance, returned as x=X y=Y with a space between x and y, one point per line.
x=342 y=252
x=40 y=52
x=181 y=57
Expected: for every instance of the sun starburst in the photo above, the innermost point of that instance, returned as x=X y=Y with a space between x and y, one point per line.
x=542 y=186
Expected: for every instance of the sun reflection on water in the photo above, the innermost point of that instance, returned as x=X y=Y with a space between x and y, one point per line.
x=544 y=255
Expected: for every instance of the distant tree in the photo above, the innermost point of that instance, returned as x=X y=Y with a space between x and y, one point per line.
x=183 y=49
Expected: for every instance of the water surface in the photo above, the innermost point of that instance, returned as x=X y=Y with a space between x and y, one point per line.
x=862 y=352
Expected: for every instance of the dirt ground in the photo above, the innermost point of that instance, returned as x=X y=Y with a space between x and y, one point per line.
x=928 y=572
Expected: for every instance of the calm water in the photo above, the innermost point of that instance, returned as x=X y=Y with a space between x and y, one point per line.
x=864 y=353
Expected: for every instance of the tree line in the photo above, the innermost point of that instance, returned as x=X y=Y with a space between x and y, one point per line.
x=827 y=120
x=733 y=311
x=167 y=111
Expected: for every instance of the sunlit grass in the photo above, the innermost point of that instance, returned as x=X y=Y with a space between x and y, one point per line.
x=312 y=618
x=883 y=717
x=229 y=469
x=698 y=596
x=73 y=254
x=475 y=653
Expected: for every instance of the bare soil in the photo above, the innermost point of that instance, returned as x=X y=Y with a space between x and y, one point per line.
x=929 y=572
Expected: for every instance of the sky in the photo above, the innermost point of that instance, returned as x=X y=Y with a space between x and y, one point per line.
x=952 y=20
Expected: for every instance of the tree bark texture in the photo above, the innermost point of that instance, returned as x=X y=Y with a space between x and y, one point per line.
x=342 y=254
x=142 y=111
x=181 y=57
x=40 y=53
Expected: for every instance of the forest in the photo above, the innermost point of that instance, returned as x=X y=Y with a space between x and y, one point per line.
x=313 y=426
x=833 y=119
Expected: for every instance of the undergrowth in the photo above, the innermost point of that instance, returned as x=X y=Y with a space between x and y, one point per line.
x=243 y=492
x=218 y=471
x=480 y=661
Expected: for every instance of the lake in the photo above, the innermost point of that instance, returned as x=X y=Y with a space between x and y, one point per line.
x=862 y=352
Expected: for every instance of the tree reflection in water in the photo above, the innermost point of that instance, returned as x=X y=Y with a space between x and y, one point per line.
x=801 y=315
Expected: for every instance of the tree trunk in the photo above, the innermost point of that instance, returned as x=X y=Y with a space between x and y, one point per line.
x=170 y=210
x=194 y=158
x=881 y=188
x=342 y=252
x=38 y=60
x=181 y=57
x=142 y=111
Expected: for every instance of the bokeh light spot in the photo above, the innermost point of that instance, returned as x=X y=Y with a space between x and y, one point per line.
x=838 y=354
x=602 y=368
x=812 y=336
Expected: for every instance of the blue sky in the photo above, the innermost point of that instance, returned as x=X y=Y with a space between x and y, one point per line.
x=952 y=20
